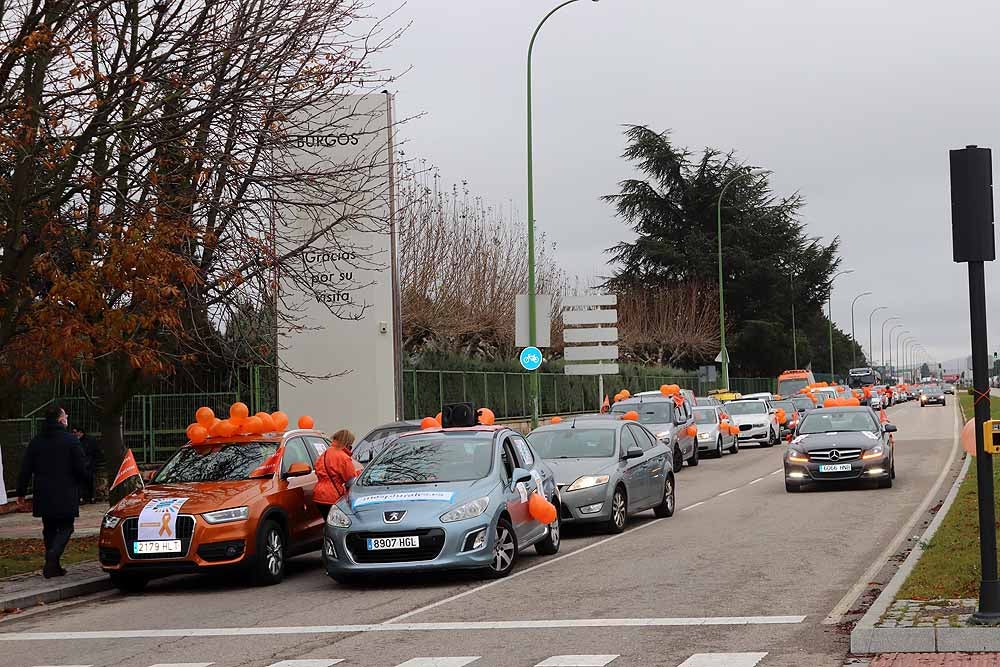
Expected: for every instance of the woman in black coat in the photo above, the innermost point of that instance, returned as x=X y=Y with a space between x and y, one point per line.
x=55 y=461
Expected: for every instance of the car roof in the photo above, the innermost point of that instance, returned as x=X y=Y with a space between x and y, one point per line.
x=262 y=437
x=635 y=400
x=591 y=421
x=479 y=428
x=847 y=408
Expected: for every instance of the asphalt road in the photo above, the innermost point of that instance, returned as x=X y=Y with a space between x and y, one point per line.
x=743 y=574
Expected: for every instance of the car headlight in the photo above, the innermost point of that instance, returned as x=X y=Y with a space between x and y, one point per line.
x=469 y=510
x=110 y=521
x=704 y=436
x=663 y=435
x=797 y=456
x=588 y=481
x=227 y=515
x=336 y=518
x=759 y=425
x=874 y=453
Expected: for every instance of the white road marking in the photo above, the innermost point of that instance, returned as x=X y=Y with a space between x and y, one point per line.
x=183 y=664
x=723 y=660
x=859 y=587
x=306 y=663
x=396 y=627
x=759 y=479
x=577 y=661
x=439 y=662
x=691 y=507
x=726 y=493
x=64 y=666
x=778 y=471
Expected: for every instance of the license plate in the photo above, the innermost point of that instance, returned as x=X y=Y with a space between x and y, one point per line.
x=157 y=547
x=836 y=467
x=381 y=543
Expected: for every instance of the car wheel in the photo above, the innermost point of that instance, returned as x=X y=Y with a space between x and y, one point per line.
x=791 y=487
x=269 y=562
x=693 y=461
x=771 y=438
x=678 y=459
x=885 y=483
x=128 y=582
x=669 y=501
x=735 y=449
x=550 y=545
x=619 y=511
x=504 y=550
x=892 y=470
x=718 y=448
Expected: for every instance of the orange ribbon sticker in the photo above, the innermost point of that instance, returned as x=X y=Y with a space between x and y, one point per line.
x=165 y=525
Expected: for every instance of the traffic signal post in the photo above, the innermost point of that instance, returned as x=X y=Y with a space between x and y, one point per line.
x=973 y=243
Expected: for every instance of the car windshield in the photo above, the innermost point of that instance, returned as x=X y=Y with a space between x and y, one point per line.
x=705 y=416
x=706 y=401
x=787 y=406
x=386 y=431
x=803 y=403
x=786 y=387
x=746 y=408
x=432 y=458
x=932 y=389
x=216 y=463
x=831 y=421
x=574 y=443
x=650 y=412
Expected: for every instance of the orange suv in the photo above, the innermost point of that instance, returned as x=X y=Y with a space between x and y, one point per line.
x=237 y=501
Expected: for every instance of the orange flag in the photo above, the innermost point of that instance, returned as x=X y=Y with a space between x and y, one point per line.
x=128 y=469
x=606 y=405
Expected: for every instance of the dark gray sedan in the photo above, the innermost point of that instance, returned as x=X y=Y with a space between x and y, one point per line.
x=932 y=393
x=606 y=470
x=837 y=444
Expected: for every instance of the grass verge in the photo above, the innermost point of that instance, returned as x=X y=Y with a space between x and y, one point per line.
x=949 y=568
x=18 y=556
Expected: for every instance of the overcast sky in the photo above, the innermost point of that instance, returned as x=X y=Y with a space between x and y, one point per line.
x=853 y=103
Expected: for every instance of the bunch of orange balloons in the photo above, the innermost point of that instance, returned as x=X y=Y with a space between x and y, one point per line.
x=240 y=422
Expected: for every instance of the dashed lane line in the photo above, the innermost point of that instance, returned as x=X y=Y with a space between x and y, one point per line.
x=723 y=660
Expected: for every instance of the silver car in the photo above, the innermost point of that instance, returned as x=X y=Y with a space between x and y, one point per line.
x=756 y=419
x=606 y=470
x=712 y=437
x=669 y=421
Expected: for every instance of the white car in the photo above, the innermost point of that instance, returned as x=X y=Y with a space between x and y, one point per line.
x=757 y=421
x=763 y=395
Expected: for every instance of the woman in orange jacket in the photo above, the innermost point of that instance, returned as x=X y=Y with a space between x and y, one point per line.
x=334 y=468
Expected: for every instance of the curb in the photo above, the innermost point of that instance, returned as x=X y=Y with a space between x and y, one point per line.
x=866 y=638
x=56 y=593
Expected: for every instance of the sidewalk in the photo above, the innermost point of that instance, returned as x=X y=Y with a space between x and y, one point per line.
x=30 y=589
x=937 y=660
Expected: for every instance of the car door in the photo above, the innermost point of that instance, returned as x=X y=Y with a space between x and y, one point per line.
x=539 y=479
x=304 y=520
x=689 y=442
x=654 y=463
x=636 y=473
x=517 y=494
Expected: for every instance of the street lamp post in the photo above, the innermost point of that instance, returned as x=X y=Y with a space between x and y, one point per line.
x=854 y=342
x=532 y=317
x=891 y=319
x=898 y=336
x=871 y=339
x=724 y=353
x=829 y=314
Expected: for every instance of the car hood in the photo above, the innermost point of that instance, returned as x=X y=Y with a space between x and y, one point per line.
x=568 y=471
x=749 y=419
x=432 y=500
x=201 y=497
x=845 y=439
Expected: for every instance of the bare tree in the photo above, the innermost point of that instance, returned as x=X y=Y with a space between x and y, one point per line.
x=667 y=326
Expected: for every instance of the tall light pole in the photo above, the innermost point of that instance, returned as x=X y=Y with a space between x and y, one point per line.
x=871 y=339
x=889 y=319
x=532 y=339
x=854 y=342
x=795 y=339
x=829 y=314
x=898 y=336
x=724 y=354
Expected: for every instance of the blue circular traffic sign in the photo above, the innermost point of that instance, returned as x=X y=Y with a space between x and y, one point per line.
x=531 y=358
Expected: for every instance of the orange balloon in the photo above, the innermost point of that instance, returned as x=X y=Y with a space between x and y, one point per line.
x=253 y=425
x=305 y=421
x=437 y=418
x=213 y=430
x=226 y=428
x=280 y=420
x=540 y=509
x=189 y=431
x=199 y=434
x=556 y=420
x=238 y=412
x=625 y=393
x=486 y=417
x=692 y=430
x=204 y=416
x=429 y=422
x=266 y=420
x=631 y=415
x=664 y=389
x=969 y=437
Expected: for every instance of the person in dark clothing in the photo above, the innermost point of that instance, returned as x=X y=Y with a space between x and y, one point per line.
x=92 y=455
x=55 y=460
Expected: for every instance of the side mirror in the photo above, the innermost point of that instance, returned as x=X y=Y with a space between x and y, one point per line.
x=363 y=457
x=520 y=475
x=297 y=470
x=890 y=428
x=633 y=453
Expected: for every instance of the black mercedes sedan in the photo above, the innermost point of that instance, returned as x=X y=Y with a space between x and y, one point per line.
x=932 y=393
x=837 y=444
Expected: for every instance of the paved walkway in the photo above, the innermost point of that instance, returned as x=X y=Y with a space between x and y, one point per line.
x=22 y=524
x=937 y=660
